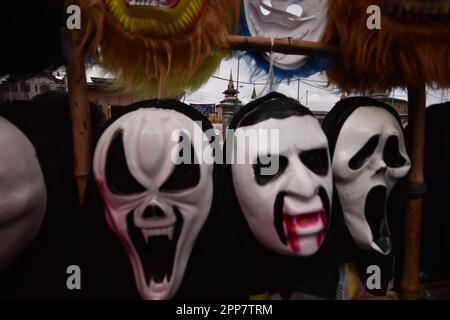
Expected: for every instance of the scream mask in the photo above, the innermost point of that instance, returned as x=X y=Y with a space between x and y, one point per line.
x=285 y=184
x=298 y=19
x=159 y=48
x=369 y=159
x=155 y=206
x=23 y=196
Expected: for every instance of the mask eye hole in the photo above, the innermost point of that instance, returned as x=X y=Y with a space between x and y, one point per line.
x=118 y=176
x=266 y=169
x=363 y=155
x=295 y=9
x=316 y=160
x=186 y=175
x=391 y=153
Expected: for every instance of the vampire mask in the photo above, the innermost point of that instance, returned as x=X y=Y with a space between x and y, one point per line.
x=298 y=19
x=23 y=196
x=368 y=158
x=155 y=205
x=284 y=186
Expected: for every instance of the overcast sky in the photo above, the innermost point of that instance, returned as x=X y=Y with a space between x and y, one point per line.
x=318 y=98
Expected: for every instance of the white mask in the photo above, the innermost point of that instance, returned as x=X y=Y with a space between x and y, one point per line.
x=156 y=208
x=298 y=19
x=23 y=197
x=288 y=212
x=369 y=159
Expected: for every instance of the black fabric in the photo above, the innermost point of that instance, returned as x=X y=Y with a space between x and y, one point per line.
x=59 y=104
x=435 y=245
x=40 y=272
x=214 y=270
x=340 y=246
x=265 y=270
x=30 y=32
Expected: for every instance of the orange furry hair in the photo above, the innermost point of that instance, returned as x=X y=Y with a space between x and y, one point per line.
x=149 y=66
x=397 y=55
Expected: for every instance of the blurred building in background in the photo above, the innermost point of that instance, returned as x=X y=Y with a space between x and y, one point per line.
x=102 y=92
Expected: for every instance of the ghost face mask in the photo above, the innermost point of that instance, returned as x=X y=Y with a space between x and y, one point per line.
x=287 y=209
x=155 y=206
x=298 y=19
x=23 y=196
x=369 y=159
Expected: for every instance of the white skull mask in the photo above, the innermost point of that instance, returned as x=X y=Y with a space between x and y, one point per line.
x=288 y=209
x=298 y=19
x=23 y=196
x=156 y=207
x=369 y=159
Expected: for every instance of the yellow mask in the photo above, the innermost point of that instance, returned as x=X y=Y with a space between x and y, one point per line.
x=156 y=18
x=159 y=48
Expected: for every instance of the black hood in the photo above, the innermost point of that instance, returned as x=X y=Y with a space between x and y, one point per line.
x=214 y=268
x=267 y=271
x=41 y=271
x=435 y=245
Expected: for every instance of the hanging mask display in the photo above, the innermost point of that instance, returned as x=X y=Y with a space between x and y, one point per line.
x=368 y=158
x=159 y=48
x=388 y=43
x=22 y=193
x=302 y=20
x=284 y=186
x=155 y=205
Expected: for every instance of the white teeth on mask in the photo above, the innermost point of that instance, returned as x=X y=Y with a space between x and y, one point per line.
x=294 y=207
x=159 y=287
x=149 y=3
x=141 y=2
x=171 y=232
x=168 y=231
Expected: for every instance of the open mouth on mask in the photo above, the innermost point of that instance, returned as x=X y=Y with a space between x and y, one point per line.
x=375 y=211
x=156 y=248
x=294 y=228
x=304 y=224
x=152 y=3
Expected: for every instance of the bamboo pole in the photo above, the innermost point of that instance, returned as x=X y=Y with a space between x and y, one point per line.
x=284 y=45
x=410 y=286
x=80 y=114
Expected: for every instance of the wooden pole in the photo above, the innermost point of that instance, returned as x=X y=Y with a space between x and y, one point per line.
x=284 y=45
x=80 y=114
x=410 y=286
